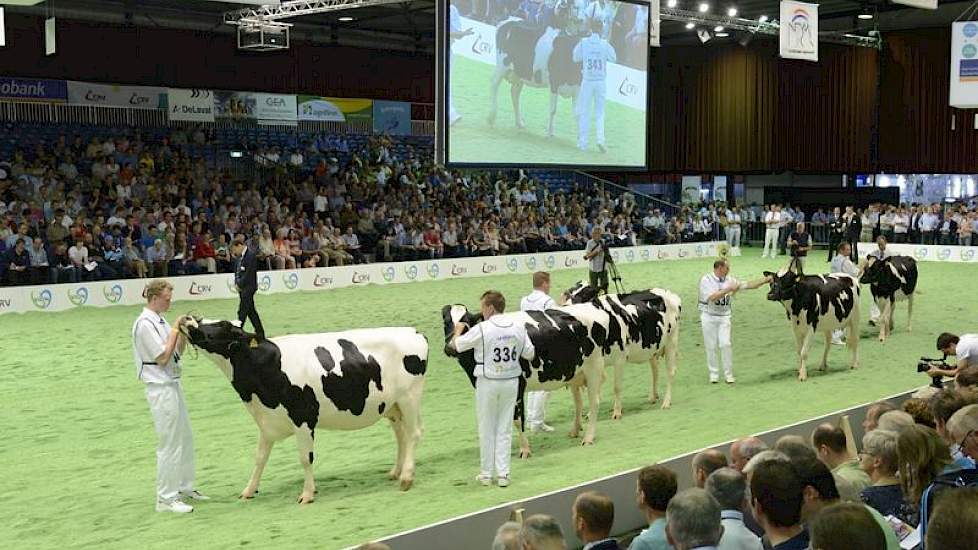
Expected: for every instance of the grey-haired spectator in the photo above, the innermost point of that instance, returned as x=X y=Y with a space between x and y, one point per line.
x=541 y=532
x=693 y=520
x=729 y=488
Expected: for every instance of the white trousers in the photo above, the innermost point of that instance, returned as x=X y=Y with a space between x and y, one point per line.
x=770 y=243
x=536 y=408
x=592 y=93
x=716 y=337
x=733 y=235
x=495 y=403
x=175 y=444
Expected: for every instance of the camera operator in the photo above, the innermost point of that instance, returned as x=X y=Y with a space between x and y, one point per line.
x=964 y=347
x=594 y=252
x=799 y=243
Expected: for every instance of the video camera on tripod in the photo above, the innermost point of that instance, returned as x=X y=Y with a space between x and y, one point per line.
x=611 y=267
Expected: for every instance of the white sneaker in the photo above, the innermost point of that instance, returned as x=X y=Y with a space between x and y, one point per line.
x=731 y=379
x=176 y=506
x=714 y=379
x=838 y=342
x=503 y=481
x=484 y=479
x=194 y=495
x=542 y=427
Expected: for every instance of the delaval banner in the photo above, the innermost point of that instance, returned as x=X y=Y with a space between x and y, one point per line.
x=964 y=65
x=799 y=31
x=276 y=107
x=192 y=105
x=392 y=117
x=33 y=89
x=107 y=95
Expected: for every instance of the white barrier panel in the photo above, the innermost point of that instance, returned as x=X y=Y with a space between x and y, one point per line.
x=208 y=287
x=928 y=252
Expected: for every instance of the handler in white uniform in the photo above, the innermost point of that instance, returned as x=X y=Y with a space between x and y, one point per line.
x=734 y=220
x=156 y=350
x=716 y=291
x=772 y=222
x=594 y=53
x=881 y=253
x=536 y=401
x=498 y=344
x=841 y=263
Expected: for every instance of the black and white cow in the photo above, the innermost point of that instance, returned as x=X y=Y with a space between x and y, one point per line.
x=574 y=343
x=539 y=57
x=818 y=303
x=890 y=280
x=335 y=381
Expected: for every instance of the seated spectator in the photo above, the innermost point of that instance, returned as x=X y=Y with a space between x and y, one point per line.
x=922 y=457
x=312 y=251
x=18 y=264
x=693 y=520
x=266 y=251
x=352 y=245
x=541 y=532
x=295 y=248
x=338 y=245
x=112 y=249
x=742 y=450
x=222 y=254
x=656 y=487
x=729 y=488
x=283 y=256
x=943 y=405
x=795 y=447
x=41 y=270
x=507 y=537
x=776 y=499
x=62 y=268
x=593 y=515
x=955 y=523
x=894 y=421
x=432 y=240
x=157 y=259
x=845 y=526
x=873 y=414
x=705 y=463
x=204 y=254
x=967 y=379
x=830 y=446
x=879 y=460
x=132 y=259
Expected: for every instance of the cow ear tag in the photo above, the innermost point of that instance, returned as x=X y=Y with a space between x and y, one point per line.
x=253 y=344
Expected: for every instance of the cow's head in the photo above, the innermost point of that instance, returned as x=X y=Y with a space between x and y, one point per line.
x=452 y=314
x=783 y=283
x=580 y=293
x=218 y=337
x=872 y=271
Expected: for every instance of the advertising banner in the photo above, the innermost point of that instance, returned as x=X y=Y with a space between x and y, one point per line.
x=392 y=117
x=238 y=105
x=275 y=107
x=193 y=105
x=33 y=89
x=964 y=65
x=108 y=95
x=930 y=252
x=334 y=109
x=221 y=286
x=799 y=31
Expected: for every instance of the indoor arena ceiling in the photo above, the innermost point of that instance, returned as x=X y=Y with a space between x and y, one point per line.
x=410 y=25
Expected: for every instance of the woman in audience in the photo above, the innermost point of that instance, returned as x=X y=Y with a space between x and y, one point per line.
x=879 y=460
x=922 y=456
x=283 y=257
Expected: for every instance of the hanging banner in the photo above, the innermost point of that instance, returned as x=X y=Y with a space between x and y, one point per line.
x=923 y=4
x=654 y=20
x=691 y=189
x=964 y=65
x=239 y=105
x=275 y=107
x=334 y=109
x=3 y=36
x=192 y=105
x=107 y=95
x=799 y=31
x=33 y=89
x=392 y=117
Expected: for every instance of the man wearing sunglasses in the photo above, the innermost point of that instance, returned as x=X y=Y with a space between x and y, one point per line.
x=963 y=427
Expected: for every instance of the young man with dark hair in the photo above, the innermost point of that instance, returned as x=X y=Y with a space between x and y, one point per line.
x=845 y=526
x=656 y=487
x=964 y=347
x=830 y=446
x=246 y=281
x=776 y=498
x=593 y=515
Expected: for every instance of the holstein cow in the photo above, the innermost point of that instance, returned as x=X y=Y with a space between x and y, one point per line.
x=336 y=381
x=818 y=303
x=582 y=293
x=890 y=280
x=574 y=343
x=538 y=57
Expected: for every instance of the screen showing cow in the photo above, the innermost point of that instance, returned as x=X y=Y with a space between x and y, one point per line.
x=546 y=82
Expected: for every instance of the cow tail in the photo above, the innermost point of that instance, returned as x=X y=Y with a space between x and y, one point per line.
x=520 y=404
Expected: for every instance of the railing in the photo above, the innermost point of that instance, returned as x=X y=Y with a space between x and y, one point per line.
x=641 y=199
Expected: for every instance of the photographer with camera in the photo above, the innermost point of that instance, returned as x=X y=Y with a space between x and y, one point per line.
x=964 y=347
x=799 y=243
x=594 y=252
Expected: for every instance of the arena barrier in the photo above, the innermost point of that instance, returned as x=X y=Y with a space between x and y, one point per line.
x=928 y=252
x=63 y=297
x=476 y=530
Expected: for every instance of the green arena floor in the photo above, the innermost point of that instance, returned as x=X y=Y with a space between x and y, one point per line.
x=78 y=457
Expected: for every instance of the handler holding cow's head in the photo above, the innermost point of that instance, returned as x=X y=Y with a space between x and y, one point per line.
x=156 y=350
x=498 y=343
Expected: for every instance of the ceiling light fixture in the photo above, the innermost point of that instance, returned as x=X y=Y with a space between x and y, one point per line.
x=671 y=3
x=866 y=14
x=762 y=19
x=345 y=19
x=718 y=28
x=732 y=12
x=690 y=26
x=722 y=34
x=704 y=7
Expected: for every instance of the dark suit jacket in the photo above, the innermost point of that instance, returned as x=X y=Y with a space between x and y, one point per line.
x=607 y=545
x=246 y=276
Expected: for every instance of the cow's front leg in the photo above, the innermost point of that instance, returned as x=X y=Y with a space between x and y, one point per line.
x=514 y=92
x=619 y=374
x=411 y=428
x=593 y=378
x=654 y=386
x=575 y=389
x=261 y=458
x=804 y=341
x=671 y=353
x=304 y=444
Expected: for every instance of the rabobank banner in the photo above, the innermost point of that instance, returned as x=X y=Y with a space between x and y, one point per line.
x=207 y=287
x=108 y=95
x=33 y=89
x=392 y=117
x=334 y=109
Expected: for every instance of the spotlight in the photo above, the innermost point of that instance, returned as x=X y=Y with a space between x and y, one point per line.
x=704 y=35
x=762 y=19
x=732 y=12
x=866 y=14
x=722 y=35
x=690 y=26
x=704 y=7
x=718 y=28
x=671 y=3
x=345 y=19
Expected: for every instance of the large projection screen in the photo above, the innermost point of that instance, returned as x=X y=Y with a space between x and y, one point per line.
x=584 y=61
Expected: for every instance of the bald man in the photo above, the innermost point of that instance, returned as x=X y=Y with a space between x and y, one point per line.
x=705 y=463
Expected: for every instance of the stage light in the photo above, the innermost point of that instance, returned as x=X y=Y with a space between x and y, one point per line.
x=718 y=28
x=704 y=35
x=762 y=19
x=732 y=12
x=690 y=26
x=704 y=7
x=671 y=3
x=345 y=19
x=866 y=14
x=722 y=35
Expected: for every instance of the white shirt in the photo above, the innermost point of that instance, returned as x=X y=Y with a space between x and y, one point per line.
x=900 y=223
x=500 y=342
x=842 y=264
x=772 y=217
x=967 y=349
x=928 y=222
x=149 y=334
x=733 y=218
x=880 y=254
x=594 y=53
x=709 y=284
x=736 y=536
x=537 y=300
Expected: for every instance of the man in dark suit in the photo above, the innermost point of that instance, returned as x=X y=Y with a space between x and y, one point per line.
x=246 y=281
x=593 y=515
x=854 y=227
x=837 y=228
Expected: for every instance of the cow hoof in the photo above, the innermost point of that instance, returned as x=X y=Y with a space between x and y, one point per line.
x=247 y=494
x=666 y=404
x=653 y=399
x=587 y=442
x=616 y=415
x=574 y=434
x=823 y=368
x=406 y=484
x=802 y=376
x=525 y=454
x=305 y=498
x=854 y=366
x=394 y=474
